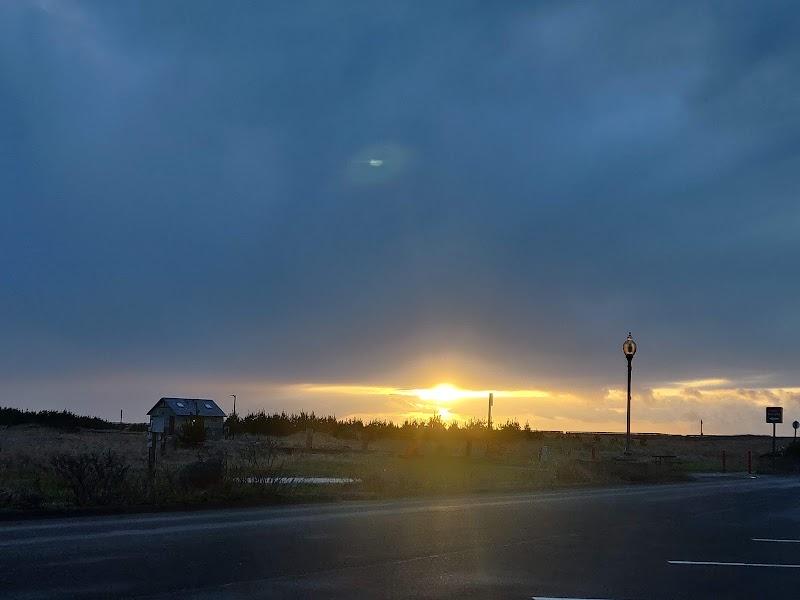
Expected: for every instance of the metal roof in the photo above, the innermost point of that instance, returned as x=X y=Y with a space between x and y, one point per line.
x=190 y=406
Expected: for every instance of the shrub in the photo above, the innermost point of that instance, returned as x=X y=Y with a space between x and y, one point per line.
x=91 y=477
x=260 y=455
x=28 y=498
x=192 y=433
x=792 y=450
x=24 y=497
x=259 y=466
x=203 y=474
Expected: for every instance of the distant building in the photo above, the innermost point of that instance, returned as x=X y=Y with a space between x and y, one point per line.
x=169 y=414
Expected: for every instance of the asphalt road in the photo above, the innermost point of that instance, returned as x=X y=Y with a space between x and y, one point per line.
x=713 y=539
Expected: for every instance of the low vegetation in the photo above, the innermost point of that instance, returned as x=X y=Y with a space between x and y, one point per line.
x=92 y=477
x=270 y=458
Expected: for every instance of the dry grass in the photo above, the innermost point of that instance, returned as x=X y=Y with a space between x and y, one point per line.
x=389 y=468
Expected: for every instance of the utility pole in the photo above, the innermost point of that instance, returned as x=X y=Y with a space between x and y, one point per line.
x=701 y=427
x=489 y=421
x=120 y=416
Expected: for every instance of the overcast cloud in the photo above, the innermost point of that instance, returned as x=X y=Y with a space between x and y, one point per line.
x=189 y=204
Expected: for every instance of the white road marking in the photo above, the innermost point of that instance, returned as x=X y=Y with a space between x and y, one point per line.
x=731 y=564
x=554 y=598
x=776 y=541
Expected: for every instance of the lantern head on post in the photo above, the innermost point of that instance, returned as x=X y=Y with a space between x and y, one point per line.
x=629 y=347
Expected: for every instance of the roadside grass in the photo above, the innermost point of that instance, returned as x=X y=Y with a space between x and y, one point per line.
x=254 y=469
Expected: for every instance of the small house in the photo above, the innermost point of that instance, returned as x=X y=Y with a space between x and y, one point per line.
x=170 y=414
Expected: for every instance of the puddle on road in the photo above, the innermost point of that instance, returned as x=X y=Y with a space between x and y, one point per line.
x=301 y=480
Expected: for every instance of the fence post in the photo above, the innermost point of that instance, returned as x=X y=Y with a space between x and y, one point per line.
x=309 y=439
x=151 y=450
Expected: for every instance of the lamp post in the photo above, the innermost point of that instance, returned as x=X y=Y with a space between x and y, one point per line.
x=629 y=349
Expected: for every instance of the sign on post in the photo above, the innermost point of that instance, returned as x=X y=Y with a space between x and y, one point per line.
x=774 y=414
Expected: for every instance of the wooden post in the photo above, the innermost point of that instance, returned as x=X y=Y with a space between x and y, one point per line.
x=151 y=451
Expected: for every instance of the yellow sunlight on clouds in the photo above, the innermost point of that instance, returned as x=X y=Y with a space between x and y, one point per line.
x=442 y=392
x=446 y=400
x=726 y=405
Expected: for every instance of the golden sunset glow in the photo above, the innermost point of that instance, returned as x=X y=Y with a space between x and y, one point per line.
x=441 y=392
x=446 y=400
x=712 y=398
x=722 y=402
x=710 y=382
x=444 y=392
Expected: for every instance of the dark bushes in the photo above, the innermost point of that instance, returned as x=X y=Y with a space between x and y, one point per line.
x=203 y=474
x=93 y=478
x=793 y=451
x=192 y=433
x=25 y=497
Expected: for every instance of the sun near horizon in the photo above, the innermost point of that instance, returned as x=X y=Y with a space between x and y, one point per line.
x=444 y=394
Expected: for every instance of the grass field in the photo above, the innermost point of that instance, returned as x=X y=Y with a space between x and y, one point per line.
x=48 y=469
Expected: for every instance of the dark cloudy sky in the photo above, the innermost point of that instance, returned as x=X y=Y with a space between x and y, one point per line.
x=189 y=206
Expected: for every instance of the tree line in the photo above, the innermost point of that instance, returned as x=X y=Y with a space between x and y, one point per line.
x=283 y=424
x=61 y=419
